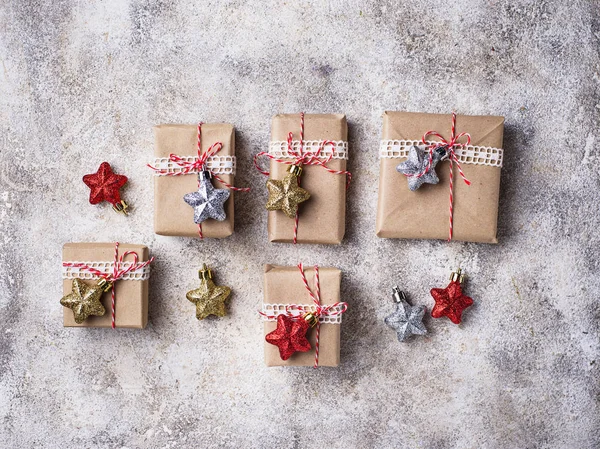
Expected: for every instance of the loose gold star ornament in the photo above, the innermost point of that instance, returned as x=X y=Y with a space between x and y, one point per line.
x=209 y=298
x=285 y=195
x=84 y=299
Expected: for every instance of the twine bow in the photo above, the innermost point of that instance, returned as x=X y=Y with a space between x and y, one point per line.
x=118 y=272
x=297 y=310
x=450 y=148
x=301 y=158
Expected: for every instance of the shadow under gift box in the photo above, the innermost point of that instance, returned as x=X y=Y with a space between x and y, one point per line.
x=322 y=217
x=283 y=285
x=424 y=213
x=172 y=215
x=131 y=304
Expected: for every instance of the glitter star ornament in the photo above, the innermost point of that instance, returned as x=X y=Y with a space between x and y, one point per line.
x=407 y=320
x=285 y=195
x=417 y=163
x=207 y=201
x=84 y=299
x=105 y=185
x=209 y=298
x=450 y=301
x=290 y=334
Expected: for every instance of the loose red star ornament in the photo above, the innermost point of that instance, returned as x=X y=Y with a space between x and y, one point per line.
x=290 y=335
x=105 y=186
x=450 y=301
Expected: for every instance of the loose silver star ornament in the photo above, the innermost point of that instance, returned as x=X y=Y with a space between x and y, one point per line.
x=417 y=163
x=207 y=201
x=407 y=320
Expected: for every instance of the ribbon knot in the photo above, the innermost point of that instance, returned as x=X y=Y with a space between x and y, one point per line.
x=117 y=273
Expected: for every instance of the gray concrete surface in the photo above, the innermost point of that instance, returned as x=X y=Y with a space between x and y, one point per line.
x=83 y=82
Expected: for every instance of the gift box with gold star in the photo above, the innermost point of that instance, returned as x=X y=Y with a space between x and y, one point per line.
x=307 y=181
x=88 y=285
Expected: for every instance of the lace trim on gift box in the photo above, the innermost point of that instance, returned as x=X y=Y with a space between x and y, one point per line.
x=105 y=267
x=279 y=149
x=475 y=155
x=218 y=165
x=278 y=309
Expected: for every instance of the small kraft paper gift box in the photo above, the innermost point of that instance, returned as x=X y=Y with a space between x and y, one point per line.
x=307 y=178
x=302 y=316
x=105 y=285
x=194 y=170
x=439 y=176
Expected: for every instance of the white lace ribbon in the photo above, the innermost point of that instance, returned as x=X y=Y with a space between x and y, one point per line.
x=280 y=309
x=106 y=267
x=219 y=165
x=471 y=154
x=279 y=149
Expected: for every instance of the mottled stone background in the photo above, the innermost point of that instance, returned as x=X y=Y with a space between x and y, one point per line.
x=83 y=82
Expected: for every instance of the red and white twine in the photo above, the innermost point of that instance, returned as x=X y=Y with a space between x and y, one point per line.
x=117 y=273
x=198 y=165
x=450 y=147
x=301 y=158
x=297 y=310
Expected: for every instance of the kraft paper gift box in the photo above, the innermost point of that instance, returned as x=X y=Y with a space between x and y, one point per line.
x=424 y=213
x=172 y=215
x=322 y=218
x=131 y=300
x=283 y=285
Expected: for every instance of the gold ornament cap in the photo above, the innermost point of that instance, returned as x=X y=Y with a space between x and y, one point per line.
x=311 y=318
x=204 y=273
x=295 y=170
x=121 y=207
x=105 y=285
x=457 y=276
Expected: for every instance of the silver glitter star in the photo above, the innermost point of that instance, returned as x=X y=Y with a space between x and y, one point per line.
x=407 y=320
x=207 y=202
x=417 y=163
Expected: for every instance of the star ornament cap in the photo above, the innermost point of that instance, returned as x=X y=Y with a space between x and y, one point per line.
x=450 y=301
x=286 y=195
x=105 y=185
x=207 y=201
x=209 y=298
x=417 y=163
x=84 y=299
x=407 y=320
x=290 y=336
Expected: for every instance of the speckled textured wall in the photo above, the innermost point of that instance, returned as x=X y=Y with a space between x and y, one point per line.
x=83 y=82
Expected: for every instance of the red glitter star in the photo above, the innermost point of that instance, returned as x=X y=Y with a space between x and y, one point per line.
x=105 y=185
x=290 y=336
x=450 y=302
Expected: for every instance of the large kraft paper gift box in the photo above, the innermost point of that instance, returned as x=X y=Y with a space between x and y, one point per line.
x=172 y=215
x=131 y=292
x=424 y=213
x=283 y=286
x=322 y=218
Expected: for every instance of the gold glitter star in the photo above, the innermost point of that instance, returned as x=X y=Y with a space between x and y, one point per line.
x=285 y=195
x=84 y=299
x=209 y=299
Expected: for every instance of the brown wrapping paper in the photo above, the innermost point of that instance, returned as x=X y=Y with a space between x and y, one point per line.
x=172 y=215
x=424 y=214
x=323 y=215
x=131 y=304
x=283 y=285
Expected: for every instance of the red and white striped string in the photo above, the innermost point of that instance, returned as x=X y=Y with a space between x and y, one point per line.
x=296 y=310
x=117 y=273
x=301 y=158
x=198 y=165
x=450 y=147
